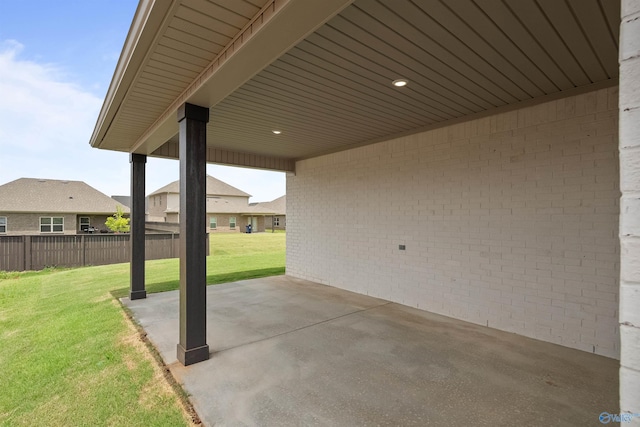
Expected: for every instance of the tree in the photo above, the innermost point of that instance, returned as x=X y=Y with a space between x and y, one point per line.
x=117 y=223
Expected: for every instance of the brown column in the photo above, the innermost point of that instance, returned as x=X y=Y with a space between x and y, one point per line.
x=193 y=347
x=136 y=237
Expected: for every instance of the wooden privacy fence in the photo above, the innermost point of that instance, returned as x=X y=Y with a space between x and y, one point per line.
x=20 y=253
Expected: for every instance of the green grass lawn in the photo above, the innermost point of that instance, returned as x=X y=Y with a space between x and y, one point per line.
x=235 y=256
x=69 y=355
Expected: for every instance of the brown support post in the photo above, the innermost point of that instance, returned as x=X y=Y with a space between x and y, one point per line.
x=193 y=347
x=136 y=238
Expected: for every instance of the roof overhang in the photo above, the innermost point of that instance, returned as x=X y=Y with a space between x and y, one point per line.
x=321 y=71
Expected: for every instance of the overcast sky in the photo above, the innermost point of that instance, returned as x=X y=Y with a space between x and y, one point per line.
x=56 y=62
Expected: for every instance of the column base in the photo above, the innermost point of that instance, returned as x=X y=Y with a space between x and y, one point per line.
x=194 y=355
x=137 y=295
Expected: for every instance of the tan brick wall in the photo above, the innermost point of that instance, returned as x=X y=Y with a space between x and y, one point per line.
x=282 y=224
x=158 y=205
x=172 y=217
x=29 y=224
x=509 y=221
x=223 y=224
x=171 y=202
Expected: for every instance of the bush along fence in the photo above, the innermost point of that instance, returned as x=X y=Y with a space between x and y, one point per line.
x=20 y=253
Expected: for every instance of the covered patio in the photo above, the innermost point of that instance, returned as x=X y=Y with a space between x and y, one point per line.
x=476 y=159
x=286 y=351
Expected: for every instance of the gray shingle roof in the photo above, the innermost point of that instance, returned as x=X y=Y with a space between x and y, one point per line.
x=124 y=200
x=277 y=206
x=215 y=187
x=53 y=196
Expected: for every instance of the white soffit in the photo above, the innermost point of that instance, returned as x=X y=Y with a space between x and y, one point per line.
x=202 y=51
x=328 y=87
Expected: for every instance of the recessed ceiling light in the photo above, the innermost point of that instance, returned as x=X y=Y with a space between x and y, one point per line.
x=400 y=82
x=277 y=132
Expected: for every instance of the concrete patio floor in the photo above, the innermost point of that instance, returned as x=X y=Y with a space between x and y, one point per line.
x=291 y=352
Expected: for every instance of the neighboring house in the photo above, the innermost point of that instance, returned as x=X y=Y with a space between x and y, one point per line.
x=277 y=221
x=228 y=208
x=123 y=200
x=30 y=206
x=126 y=201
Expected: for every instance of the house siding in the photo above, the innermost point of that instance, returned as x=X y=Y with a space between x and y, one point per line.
x=171 y=202
x=282 y=221
x=21 y=224
x=29 y=223
x=172 y=217
x=223 y=223
x=509 y=221
x=160 y=203
x=156 y=209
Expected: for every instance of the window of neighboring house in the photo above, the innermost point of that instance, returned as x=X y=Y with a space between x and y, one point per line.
x=276 y=221
x=51 y=224
x=213 y=223
x=85 y=223
x=3 y=224
x=232 y=222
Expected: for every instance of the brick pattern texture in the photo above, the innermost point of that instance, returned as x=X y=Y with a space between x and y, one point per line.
x=630 y=208
x=29 y=223
x=509 y=221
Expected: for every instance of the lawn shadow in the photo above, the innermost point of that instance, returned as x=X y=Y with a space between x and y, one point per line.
x=213 y=279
